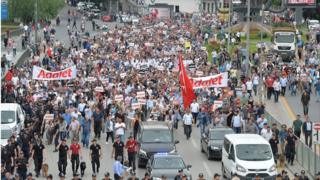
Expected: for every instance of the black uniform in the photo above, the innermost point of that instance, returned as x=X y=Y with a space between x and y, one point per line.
x=38 y=157
x=95 y=157
x=63 y=156
x=118 y=150
x=22 y=167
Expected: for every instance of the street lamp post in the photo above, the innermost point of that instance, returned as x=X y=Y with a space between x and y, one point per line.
x=36 y=24
x=248 y=38
x=229 y=25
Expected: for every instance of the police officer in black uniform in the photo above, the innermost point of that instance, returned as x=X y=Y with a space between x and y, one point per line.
x=37 y=155
x=118 y=149
x=63 y=156
x=95 y=155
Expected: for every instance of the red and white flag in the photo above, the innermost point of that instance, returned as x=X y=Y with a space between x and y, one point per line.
x=186 y=85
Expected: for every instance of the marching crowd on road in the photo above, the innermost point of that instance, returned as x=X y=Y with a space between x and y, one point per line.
x=103 y=95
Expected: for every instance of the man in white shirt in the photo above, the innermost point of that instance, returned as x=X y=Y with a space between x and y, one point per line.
x=236 y=122
x=187 y=123
x=195 y=110
x=283 y=83
x=249 y=86
x=276 y=90
x=119 y=129
x=266 y=132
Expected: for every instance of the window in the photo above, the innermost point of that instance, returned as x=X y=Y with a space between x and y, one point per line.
x=203 y=6
x=226 y=145
x=208 y=7
x=212 y=7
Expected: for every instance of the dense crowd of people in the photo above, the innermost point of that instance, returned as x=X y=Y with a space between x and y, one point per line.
x=113 y=67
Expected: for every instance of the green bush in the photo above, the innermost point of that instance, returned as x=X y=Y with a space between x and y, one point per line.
x=25 y=9
x=281 y=24
x=264 y=35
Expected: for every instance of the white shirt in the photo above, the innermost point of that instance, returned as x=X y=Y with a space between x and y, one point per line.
x=309 y=128
x=255 y=80
x=249 y=85
x=120 y=128
x=236 y=121
x=194 y=107
x=187 y=119
x=265 y=134
x=283 y=81
x=276 y=86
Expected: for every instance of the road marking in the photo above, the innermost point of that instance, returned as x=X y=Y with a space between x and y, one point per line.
x=207 y=169
x=288 y=108
x=194 y=142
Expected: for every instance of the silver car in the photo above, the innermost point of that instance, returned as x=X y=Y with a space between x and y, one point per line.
x=168 y=165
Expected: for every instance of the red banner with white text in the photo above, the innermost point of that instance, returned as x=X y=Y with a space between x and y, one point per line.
x=39 y=73
x=218 y=80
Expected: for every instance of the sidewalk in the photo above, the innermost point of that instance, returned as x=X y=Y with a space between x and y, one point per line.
x=280 y=112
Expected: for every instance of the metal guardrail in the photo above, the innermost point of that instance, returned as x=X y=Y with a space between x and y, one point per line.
x=305 y=156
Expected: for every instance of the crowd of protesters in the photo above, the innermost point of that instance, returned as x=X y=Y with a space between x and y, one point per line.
x=133 y=58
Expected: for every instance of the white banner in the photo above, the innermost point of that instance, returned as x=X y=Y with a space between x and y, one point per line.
x=218 y=80
x=141 y=94
x=118 y=98
x=39 y=73
x=99 y=89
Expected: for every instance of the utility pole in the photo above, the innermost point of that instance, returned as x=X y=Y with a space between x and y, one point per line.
x=36 y=24
x=229 y=26
x=248 y=38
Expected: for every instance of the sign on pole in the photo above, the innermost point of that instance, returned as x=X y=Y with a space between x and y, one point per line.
x=316 y=133
x=4 y=10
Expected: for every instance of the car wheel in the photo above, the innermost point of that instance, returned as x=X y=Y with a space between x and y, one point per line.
x=223 y=171
x=208 y=155
x=139 y=163
x=202 y=150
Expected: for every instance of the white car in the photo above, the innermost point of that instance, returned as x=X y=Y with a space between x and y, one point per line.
x=313 y=24
x=6 y=133
x=12 y=116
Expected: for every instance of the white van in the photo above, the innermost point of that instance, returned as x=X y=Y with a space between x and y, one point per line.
x=247 y=155
x=12 y=116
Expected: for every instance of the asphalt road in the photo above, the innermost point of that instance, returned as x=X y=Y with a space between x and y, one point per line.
x=188 y=149
x=296 y=106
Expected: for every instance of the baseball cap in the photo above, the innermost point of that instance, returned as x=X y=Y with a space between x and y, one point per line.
x=296 y=175
x=216 y=175
x=200 y=174
x=107 y=174
x=180 y=170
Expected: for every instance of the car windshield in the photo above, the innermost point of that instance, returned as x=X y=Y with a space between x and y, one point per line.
x=155 y=135
x=7 y=117
x=219 y=135
x=6 y=133
x=253 y=152
x=284 y=38
x=168 y=163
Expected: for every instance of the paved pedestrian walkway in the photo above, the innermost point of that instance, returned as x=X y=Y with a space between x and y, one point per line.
x=281 y=112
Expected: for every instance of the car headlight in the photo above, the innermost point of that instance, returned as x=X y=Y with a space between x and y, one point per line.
x=173 y=150
x=273 y=168
x=214 y=148
x=240 y=168
x=142 y=152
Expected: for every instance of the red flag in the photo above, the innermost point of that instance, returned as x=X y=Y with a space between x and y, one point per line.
x=185 y=84
x=9 y=76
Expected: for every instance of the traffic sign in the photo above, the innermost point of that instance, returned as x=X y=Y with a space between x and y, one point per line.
x=316 y=133
x=316 y=126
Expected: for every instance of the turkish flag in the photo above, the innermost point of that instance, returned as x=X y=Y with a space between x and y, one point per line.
x=185 y=84
x=9 y=76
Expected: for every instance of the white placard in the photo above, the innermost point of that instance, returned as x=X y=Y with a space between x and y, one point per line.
x=141 y=95
x=118 y=98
